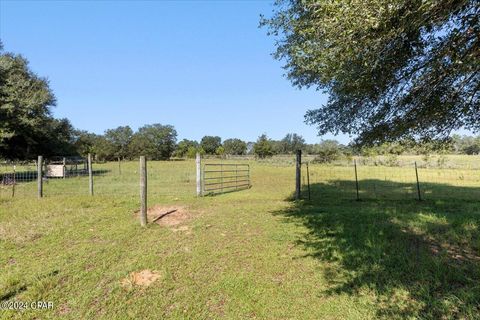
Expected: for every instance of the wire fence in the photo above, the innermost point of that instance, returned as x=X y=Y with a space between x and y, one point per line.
x=375 y=179
x=363 y=181
x=109 y=178
x=18 y=179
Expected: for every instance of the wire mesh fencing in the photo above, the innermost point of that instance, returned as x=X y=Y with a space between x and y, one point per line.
x=373 y=180
x=359 y=180
x=71 y=177
x=121 y=178
x=18 y=179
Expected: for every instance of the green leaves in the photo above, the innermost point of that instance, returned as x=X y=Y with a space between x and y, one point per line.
x=155 y=141
x=235 y=146
x=210 y=144
x=263 y=148
x=393 y=69
x=26 y=125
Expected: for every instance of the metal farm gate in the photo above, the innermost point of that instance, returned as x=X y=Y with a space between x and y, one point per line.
x=222 y=177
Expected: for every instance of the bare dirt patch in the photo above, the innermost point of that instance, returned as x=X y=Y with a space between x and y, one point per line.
x=168 y=216
x=143 y=278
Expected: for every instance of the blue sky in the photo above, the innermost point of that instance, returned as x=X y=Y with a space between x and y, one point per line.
x=204 y=67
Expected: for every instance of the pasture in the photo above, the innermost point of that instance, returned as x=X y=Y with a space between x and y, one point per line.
x=248 y=254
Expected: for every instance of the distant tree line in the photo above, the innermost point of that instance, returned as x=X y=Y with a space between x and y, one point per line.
x=28 y=129
x=330 y=150
x=155 y=141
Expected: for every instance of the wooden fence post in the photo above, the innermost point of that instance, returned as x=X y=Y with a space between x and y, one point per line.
x=90 y=174
x=356 y=178
x=14 y=180
x=298 y=175
x=40 y=176
x=308 y=183
x=64 y=167
x=418 y=183
x=143 y=191
x=199 y=174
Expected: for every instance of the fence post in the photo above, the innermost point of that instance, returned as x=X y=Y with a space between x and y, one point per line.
x=64 y=162
x=14 y=180
x=418 y=183
x=143 y=191
x=308 y=182
x=119 y=168
x=298 y=175
x=198 y=162
x=356 y=178
x=90 y=174
x=40 y=176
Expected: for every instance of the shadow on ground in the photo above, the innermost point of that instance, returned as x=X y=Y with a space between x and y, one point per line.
x=411 y=258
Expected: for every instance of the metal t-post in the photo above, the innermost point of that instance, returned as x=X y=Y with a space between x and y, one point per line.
x=90 y=174
x=198 y=162
x=143 y=191
x=40 y=176
x=298 y=175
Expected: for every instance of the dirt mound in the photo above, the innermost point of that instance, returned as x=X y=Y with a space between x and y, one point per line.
x=168 y=216
x=143 y=278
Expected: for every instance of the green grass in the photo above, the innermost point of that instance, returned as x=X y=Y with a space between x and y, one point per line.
x=249 y=254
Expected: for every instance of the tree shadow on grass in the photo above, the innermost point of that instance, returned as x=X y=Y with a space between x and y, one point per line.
x=411 y=258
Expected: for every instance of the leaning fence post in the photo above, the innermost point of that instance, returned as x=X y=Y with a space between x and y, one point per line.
x=356 y=178
x=418 y=183
x=90 y=174
x=298 y=175
x=199 y=174
x=40 y=176
x=143 y=191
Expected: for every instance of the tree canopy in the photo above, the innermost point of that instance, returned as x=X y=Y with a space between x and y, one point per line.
x=291 y=143
x=155 y=141
x=27 y=127
x=392 y=68
x=119 y=140
x=263 y=147
x=210 y=144
x=25 y=101
x=235 y=146
x=186 y=148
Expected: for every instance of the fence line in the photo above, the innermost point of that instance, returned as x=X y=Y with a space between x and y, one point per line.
x=169 y=179
x=406 y=182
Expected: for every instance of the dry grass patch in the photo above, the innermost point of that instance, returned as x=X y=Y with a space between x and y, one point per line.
x=143 y=278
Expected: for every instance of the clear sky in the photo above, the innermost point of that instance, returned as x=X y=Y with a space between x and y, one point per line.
x=204 y=67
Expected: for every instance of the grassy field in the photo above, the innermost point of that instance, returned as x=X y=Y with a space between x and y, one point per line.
x=249 y=254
